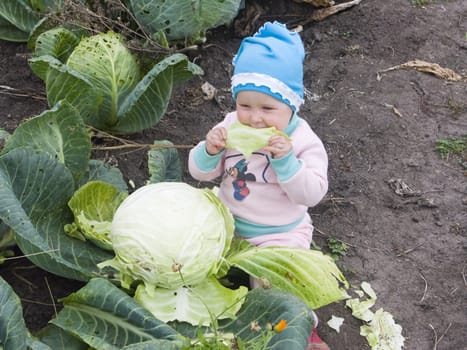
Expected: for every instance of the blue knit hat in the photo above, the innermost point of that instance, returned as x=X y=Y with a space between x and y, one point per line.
x=271 y=62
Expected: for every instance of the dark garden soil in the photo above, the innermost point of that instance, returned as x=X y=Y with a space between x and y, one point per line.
x=398 y=205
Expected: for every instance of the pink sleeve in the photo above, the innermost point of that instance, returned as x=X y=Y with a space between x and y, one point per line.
x=310 y=184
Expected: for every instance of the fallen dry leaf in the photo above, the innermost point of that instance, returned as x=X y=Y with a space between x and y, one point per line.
x=209 y=91
x=433 y=68
x=323 y=13
x=402 y=189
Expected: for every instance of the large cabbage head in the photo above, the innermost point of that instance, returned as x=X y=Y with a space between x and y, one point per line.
x=170 y=234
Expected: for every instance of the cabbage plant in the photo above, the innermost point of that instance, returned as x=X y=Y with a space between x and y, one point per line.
x=184 y=20
x=104 y=81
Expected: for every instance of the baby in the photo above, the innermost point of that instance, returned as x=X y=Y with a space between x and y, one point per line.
x=268 y=193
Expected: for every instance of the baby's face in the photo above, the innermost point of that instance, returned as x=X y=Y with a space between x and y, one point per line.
x=259 y=110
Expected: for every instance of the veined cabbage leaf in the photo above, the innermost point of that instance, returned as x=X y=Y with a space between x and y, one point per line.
x=60 y=132
x=183 y=20
x=18 y=17
x=105 y=317
x=199 y=304
x=13 y=331
x=308 y=274
x=93 y=206
x=164 y=163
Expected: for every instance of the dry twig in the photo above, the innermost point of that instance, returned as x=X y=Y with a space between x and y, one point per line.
x=436 y=334
x=394 y=109
x=318 y=3
x=140 y=146
x=35 y=302
x=125 y=144
x=426 y=288
x=463 y=276
x=51 y=295
x=8 y=90
x=27 y=255
x=407 y=251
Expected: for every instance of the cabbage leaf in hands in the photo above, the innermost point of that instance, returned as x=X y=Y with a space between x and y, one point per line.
x=247 y=139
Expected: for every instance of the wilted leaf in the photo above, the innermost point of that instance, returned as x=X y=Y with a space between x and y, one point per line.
x=382 y=333
x=427 y=67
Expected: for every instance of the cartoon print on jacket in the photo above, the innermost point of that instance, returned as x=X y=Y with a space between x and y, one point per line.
x=239 y=173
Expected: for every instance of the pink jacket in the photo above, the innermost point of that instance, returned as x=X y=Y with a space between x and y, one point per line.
x=265 y=191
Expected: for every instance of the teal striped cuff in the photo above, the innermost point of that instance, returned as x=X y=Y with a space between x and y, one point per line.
x=204 y=160
x=286 y=166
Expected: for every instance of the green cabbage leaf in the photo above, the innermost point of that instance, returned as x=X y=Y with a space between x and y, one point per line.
x=382 y=333
x=199 y=304
x=103 y=316
x=19 y=17
x=309 y=274
x=93 y=206
x=247 y=139
x=185 y=21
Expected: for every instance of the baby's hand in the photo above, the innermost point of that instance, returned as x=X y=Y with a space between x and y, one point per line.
x=215 y=140
x=279 y=146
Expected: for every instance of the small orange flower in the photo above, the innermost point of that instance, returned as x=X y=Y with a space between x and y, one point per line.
x=280 y=326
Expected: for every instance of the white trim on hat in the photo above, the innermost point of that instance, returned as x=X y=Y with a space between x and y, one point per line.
x=275 y=85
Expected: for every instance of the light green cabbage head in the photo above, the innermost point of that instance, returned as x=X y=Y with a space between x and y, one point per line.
x=170 y=234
